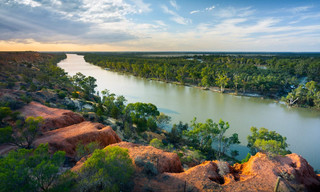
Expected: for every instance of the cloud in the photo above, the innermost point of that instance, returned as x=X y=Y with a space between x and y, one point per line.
x=195 y=11
x=30 y=3
x=299 y=9
x=210 y=8
x=230 y=12
x=175 y=16
x=206 y=9
x=142 y=7
x=75 y=21
x=174 y=4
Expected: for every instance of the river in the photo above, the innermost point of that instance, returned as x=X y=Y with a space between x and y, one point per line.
x=182 y=103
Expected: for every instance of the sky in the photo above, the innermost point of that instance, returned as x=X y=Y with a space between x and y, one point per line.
x=160 y=25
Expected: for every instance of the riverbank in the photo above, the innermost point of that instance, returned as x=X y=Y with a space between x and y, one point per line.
x=183 y=103
x=227 y=91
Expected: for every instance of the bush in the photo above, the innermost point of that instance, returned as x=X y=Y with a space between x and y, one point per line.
x=267 y=141
x=30 y=170
x=246 y=159
x=152 y=125
x=127 y=130
x=109 y=169
x=156 y=143
x=62 y=94
x=83 y=150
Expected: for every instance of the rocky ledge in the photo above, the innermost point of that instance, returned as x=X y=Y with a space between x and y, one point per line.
x=54 y=118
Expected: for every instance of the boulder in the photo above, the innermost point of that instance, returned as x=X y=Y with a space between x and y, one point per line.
x=54 y=118
x=67 y=138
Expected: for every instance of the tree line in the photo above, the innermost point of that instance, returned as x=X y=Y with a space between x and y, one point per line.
x=271 y=76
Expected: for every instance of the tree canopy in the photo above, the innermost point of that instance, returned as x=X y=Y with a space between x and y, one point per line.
x=263 y=140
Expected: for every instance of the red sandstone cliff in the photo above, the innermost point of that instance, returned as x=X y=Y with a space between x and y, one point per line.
x=260 y=173
x=54 y=118
x=67 y=138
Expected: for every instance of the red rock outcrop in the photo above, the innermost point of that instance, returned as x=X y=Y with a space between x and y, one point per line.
x=67 y=138
x=260 y=173
x=53 y=117
x=163 y=161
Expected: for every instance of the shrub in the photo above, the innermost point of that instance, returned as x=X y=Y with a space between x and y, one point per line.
x=246 y=159
x=30 y=170
x=62 y=94
x=83 y=150
x=127 y=130
x=156 y=143
x=267 y=141
x=151 y=124
x=109 y=169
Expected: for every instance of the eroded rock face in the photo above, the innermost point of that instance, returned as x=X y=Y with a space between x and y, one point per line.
x=67 y=138
x=260 y=173
x=150 y=160
x=54 y=118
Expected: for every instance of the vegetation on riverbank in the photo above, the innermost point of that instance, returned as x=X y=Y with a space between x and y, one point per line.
x=270 y=76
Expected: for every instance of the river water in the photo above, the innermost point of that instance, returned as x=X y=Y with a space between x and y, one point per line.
x=182 y=103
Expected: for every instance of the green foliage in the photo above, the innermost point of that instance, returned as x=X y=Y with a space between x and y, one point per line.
x=308 y=95
x=24 y=134
x=156 y=143
x=30 y=170
x=83 y=150
x=31 y=72
x=151 y=124
x=140 y=113
x=267 y=141
x=234 y=153
x=4 y=112
x=127 y=130
x=109 y=169
x=203 y=135
x=270 y=76
x=112 y=106
x=246 y=159
x=5 y=134
x=84 y=84
x=222 y=81
x=192 y=156
x=65 y=182
x=163 y=120
x=223 y=141
x=62 y=94
x=176 y=133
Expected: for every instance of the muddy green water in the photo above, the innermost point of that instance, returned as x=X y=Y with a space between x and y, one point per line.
x=300 y=126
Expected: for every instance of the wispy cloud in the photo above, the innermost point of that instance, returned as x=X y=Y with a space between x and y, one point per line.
x=300 y=9
x=175 y=16
x=230 y=12
x=30 y=3
x=210 y=8
x=195 y=11
x=205 y=9
x=174 y=4
x=141 y=6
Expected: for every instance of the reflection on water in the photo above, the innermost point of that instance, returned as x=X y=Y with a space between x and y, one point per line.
x=300 y=126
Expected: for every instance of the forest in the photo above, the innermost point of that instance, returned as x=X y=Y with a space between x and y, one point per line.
x=293 y=78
